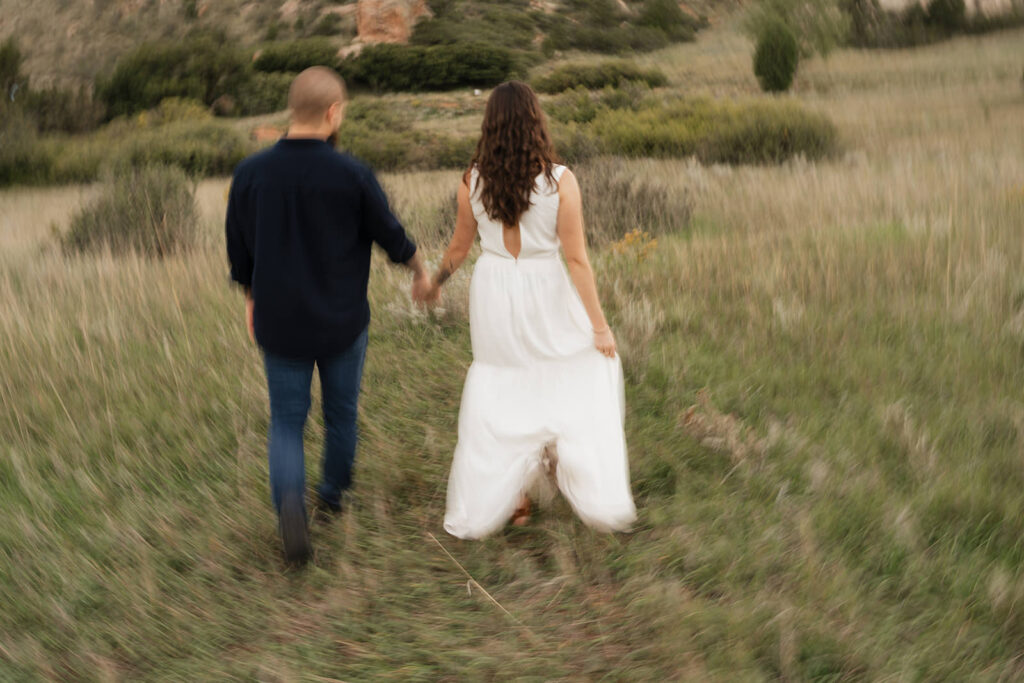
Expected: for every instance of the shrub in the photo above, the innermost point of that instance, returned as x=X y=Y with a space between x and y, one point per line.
x=10 y=68
x=199 y=148
x=818 y=25
x=871 y=26
x=172 y=110
x=65 y=111
x=575 y=143
x=616 y=40
x=22 y=160
x=776 y=57
x=594 y=76
x=203 y=68
x=947 y=16
x=670 y=18
x=616 y=202
x=441 y=67
x=768 y=132
x=763 y=132
x=580 y=105
x=391 y=149
x=503 y=25
x=265 y=94
x=296 y=55
x=150 y=211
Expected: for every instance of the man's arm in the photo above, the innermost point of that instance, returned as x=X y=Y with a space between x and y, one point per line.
x=385 y=229
x=239 y=254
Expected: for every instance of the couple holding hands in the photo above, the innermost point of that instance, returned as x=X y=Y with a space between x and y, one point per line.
x=545 y=389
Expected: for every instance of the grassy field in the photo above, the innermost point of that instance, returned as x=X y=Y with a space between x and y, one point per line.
x=826 y=430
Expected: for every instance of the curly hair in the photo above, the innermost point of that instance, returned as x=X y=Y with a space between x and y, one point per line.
x=515 y=147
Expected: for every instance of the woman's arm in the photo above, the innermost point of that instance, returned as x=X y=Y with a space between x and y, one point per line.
x=574 y=245
x=462 y=239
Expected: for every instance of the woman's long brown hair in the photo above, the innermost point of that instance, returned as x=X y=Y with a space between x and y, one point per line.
x=515 y=147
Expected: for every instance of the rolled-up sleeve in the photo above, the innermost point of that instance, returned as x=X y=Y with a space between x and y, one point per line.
x=380 y=223
x=238 y=233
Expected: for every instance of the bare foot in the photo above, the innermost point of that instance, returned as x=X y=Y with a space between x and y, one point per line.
x=521 y=517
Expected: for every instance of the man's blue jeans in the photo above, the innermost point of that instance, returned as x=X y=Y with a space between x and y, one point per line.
x=288 y=380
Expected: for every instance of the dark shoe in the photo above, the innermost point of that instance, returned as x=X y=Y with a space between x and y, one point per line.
x=325 y=512
x=295 y=530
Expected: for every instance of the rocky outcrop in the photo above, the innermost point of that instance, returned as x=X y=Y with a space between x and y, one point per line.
x=388 y=21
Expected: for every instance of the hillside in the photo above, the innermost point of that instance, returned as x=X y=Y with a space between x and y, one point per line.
x=69 y=43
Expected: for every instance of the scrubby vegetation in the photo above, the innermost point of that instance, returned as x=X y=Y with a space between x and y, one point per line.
x=776 y=56
x=149 y=210
x=594 y=76
x=439 y=67
x=871 y=26
x=204 y=68
x=179 y=132
x=735 y=133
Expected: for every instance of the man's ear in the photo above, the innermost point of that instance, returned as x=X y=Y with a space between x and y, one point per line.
x=336 y=114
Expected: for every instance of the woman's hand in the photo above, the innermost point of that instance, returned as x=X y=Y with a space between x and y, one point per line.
x=604 y=342
x=433 y=296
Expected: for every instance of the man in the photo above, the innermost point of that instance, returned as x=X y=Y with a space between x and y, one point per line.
x=300 y=224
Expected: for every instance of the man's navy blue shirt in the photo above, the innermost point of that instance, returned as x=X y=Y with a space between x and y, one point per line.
x=301 y=221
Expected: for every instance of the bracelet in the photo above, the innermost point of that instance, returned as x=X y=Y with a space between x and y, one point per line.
x=606 y=328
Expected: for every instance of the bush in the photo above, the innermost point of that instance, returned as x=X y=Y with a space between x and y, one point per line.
x=776 y=57
x=871 y=26
x=602 y=26
x=615 y=203
x=10 y=69
x=670 y=18
x=64 y=111
x=441 y=67
x=389 y=149
x=617 y=40
x=594 y=76
x=762 y=132
x=758 y=133
x=266 y=93
x=818 y=25
x=201 y=68
x=948 y=16
x=21 y=158
x=201 y=149
x=500 y=24
x=296 y=55
x=580 y=105
x=575 y=143
x=149 y=211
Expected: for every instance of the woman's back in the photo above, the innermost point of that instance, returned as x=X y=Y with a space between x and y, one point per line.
x=538 y=226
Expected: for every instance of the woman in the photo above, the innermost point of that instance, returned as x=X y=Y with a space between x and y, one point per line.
x=545 y=370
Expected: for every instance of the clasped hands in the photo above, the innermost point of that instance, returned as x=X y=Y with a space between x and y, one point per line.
x=426 y=291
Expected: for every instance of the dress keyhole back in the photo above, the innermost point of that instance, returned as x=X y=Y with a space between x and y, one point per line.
x=512 y=236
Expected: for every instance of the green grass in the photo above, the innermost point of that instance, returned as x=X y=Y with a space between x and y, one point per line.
x=825 y=425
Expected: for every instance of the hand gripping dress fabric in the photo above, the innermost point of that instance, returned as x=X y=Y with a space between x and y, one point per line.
x=536 y=379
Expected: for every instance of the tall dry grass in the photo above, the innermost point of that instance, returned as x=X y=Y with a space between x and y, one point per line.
x=825 y=423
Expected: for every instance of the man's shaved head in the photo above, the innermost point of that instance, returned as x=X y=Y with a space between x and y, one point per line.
x=313 y=92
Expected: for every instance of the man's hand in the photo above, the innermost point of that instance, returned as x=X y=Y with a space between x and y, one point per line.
x=423 y=290
x=249 y=317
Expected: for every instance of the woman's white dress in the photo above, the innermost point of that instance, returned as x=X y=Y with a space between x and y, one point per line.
x=536 y=379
